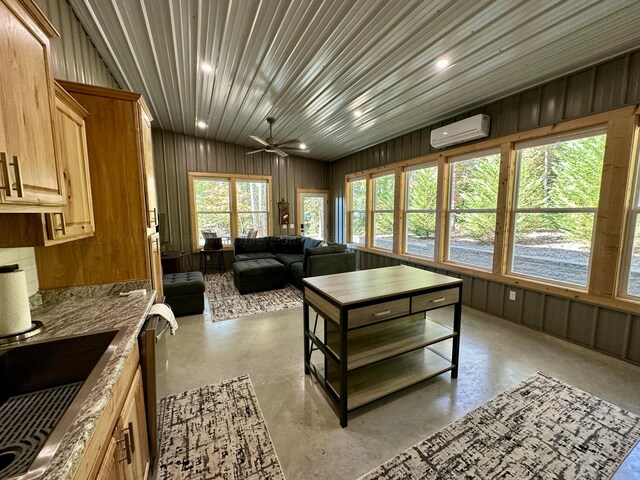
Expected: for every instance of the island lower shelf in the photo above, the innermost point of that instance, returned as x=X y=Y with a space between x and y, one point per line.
x=375 y=381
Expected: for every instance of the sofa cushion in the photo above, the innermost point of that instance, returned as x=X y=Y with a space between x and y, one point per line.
x=310 y=243
x=250 y=245
x=335 y=248
x=182 y=283
x=288 y=258
x=253 y=256
x=297 y=268
x=290 y=245
x=257 y=268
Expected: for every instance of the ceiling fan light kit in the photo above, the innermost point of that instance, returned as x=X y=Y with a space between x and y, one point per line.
x=271 y=145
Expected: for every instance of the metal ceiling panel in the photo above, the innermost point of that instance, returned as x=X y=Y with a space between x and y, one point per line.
x=310 y=63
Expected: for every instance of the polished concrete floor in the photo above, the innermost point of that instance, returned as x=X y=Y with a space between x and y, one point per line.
x=495 y=356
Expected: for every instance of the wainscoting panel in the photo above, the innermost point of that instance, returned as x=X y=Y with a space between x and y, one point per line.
x=609 y=331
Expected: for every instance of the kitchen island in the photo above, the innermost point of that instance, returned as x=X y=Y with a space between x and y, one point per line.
x=80 y=311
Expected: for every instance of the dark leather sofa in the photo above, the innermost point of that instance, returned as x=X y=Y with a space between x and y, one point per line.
x=301 y=256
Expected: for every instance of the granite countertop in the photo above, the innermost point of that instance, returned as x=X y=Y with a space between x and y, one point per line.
x=78 y=311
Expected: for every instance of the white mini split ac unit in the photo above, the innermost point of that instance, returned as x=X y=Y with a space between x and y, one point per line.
x=468 y=129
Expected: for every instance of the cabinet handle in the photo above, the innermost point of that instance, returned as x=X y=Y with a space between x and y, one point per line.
x=4 y=174
x=382 y=314
x=127 y=449
x=131 y=441
x=155 y=216
x=438 y=300
x=16 y=169
x=63 y=225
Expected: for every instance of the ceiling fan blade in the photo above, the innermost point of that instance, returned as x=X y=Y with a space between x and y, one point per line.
x=295 y=149
x=256 y=151
x=259 y=140
x=292 y=140
x=280 y=153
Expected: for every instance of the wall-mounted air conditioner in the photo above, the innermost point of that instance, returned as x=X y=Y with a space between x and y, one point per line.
x=468 y=129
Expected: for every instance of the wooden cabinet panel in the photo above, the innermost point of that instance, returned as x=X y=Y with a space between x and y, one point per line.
x=134 y=429
x=155 y=260
x=29 y=167
x=149 y=172
x=76 y=219
x=111 y=468
x=119 y=251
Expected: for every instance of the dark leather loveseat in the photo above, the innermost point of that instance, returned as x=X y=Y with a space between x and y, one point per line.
x=301 y=256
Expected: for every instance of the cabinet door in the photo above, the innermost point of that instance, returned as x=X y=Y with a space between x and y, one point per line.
x=149 y=172
x=29 y=169
x=155 y=261
x=76 y=219
x=111 y=468
x=134 y=428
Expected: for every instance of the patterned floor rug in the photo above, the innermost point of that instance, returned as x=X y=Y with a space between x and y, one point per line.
x=215 y=432
x=543 y=428
x=227 y=303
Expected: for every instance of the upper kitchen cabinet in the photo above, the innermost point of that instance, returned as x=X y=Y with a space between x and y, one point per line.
x=30 y=173
x=121 y=167
x=75 y=220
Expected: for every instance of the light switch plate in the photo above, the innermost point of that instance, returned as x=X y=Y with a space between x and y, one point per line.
x=512 y=295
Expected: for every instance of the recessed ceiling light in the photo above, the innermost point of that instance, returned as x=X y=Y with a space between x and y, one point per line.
x=445 y=133
x=206 y=67
x=303 y=146
x=442 y=64
x=201 y=124
x=357 y=113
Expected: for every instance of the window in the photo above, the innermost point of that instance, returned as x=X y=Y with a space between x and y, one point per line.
x=422 y=194
x=252 y=205
x=631 y=276
x=212 y=205
x=382 y=213
x=473 y=201
x=358 y=210
x=214 y=211
x=556 y=200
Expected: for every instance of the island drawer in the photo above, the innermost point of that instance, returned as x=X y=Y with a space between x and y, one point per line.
x=380 y=311
x=432 y=300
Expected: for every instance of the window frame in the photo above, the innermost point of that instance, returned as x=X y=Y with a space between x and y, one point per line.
x=350 y=211
x=631 y=223
x=405 y=228
x=238 y=211
x=233 y=179
x=514 y=210
x=452 y=211
x=373 y=211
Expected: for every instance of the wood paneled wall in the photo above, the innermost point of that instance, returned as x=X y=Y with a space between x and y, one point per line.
x=606 y=86
x=176 y=154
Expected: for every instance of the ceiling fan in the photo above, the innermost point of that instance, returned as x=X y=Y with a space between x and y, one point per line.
x=271 y=145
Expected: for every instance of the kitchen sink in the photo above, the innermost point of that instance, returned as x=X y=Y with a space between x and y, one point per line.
x=42 y=387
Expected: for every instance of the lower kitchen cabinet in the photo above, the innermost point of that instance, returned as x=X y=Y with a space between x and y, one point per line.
x=134 y=432
x=119 y=446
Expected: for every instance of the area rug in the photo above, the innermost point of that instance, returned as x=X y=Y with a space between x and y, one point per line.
x=227 y=303
x=543 y=428
x=217 y=432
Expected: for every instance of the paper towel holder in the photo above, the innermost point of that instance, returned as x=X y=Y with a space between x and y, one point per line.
x=36 y=326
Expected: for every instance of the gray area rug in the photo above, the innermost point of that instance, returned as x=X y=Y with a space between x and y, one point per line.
x=541 y=429
x=227 y=303
x=215 y=432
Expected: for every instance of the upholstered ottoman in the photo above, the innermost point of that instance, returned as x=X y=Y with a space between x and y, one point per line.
x=258 y=275
x=184 y=292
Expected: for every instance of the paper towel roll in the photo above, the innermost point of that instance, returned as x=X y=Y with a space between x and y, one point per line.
x=15 y=315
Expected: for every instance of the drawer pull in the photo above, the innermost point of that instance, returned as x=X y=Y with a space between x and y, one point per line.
x=382 y=314
x=127 y=449
x=63 y=227
x=438 y=300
